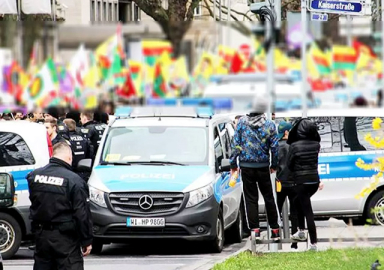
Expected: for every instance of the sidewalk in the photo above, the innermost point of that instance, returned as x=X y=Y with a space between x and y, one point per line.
x=360 y=233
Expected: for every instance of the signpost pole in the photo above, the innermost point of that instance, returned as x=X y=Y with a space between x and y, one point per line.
x=304 y=57
x=349 y=30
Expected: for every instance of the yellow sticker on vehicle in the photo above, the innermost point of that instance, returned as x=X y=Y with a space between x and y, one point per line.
x=112 y=157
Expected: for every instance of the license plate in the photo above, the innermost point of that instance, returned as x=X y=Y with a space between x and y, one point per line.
x=145 y=222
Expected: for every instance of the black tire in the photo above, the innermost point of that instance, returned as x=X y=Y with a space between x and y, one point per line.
x=217 y=244
x=10 y=236
x=376 y=201
x=97 y=247
x=236 y=232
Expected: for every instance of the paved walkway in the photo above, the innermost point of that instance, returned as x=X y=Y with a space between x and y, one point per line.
x=360 y=234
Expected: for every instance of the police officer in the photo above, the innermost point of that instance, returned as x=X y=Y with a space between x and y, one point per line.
x=80 y=147
x=62 y=129
x=92 y=130
x=60 y=214
x=52 y=129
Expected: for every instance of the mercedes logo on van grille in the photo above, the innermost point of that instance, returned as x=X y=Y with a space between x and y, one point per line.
x=145 y=202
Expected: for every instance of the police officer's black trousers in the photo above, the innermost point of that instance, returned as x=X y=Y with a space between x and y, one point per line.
x=56 y=250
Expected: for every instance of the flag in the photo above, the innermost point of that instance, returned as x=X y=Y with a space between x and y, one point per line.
x=128 y=90
x=236 y=63
x=32 y=66
x=160 y=84
x=362 y=48
x=78 y=68
x=344 y=57
x=153 y=50
x=8 y=7
x=137 y=75
x=44 y=86
x=320 y=60
x=16 y=80
x=36 y=6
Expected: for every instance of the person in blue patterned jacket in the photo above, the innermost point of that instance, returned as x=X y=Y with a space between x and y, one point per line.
x=255 y=137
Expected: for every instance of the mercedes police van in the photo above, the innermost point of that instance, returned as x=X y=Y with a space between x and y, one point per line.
x=163 y=172
x=23 y=148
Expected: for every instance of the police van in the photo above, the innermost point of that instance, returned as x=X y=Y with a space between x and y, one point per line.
x=343 y=133
x=23 y=148
x=163 y=172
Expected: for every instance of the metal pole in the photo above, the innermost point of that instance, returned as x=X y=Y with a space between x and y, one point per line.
x=220 y=18
x=304 y=57
x=286 y=220
x=270 y=89
x=20 y=42
x=349 y=30
x=19 y=10
x=54 y=10
x=229 y=23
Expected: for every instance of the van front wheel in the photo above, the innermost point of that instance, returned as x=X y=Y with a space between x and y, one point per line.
x=375 y=208
x=217 y=244
x=10 y=236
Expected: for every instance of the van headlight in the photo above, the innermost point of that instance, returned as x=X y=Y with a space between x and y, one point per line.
x=97 y=196
x=200 y=195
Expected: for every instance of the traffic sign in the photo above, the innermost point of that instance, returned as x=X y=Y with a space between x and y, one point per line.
x=319 y=17
x=337 y=7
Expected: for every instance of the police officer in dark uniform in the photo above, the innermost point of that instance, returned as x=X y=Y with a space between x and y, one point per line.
x=75 y=115
x=60 y=214
x=92 y=130
x=80 y=147
x=52 y=129
x=62 y=129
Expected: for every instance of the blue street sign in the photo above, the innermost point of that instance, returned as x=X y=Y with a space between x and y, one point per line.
x=338 y=7
x=319 y=17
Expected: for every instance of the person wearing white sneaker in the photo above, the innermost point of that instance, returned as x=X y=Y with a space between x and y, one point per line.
x=303 y=159
x=299 y=236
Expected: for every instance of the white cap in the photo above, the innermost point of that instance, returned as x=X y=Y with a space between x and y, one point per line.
x=259 y=104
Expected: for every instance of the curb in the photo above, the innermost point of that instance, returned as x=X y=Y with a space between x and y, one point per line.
x=208 y=265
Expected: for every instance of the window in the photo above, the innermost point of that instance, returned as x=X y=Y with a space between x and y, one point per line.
x=14 y=151
x=98 y=11
x=116 y=12
x=105 y=12
x=354 y=130
x=329 y=131
x=92 y=11
x=219 y=155
x=198 y=10
x=110 y=12
x=187 y=145
x=136 y=13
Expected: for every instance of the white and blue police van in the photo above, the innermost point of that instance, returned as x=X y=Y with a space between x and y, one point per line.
x=162 y=172
x=343 y=142
x=23 y=148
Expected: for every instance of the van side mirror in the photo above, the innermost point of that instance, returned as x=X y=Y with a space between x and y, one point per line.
x=225 y=165
x=84 y=165
x=7 y=190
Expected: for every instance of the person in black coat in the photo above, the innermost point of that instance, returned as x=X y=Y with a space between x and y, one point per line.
x=302 y=161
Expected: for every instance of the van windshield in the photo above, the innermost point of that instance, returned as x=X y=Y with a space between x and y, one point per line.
x=184 y=145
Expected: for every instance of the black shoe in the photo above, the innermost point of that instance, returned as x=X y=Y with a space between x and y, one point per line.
x=256 y=233
x=32 y=247
x=275 y=234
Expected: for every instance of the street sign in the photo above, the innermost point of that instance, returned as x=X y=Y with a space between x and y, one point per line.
x=323 y=17
x=337 y=7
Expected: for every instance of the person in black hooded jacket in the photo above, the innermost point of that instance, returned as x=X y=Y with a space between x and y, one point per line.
x=302 y=161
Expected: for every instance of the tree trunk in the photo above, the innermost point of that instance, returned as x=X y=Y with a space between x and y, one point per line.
x=174 y=33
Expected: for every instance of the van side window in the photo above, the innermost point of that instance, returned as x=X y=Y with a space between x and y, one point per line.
x=226 y=141
x=329 y=131
x=219 y=155
x=353 y=131
x=14 y=151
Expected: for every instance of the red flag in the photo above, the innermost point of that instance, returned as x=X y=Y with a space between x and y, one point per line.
x=362 y=48
x=128 y=89
x=237 y=63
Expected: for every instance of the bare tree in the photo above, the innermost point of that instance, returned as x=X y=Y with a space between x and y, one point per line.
x=175 y=20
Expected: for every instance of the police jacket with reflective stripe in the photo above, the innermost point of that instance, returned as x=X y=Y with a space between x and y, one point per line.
x=80 y=147
x=57 y=196
x=94 y=132
x=303 y=154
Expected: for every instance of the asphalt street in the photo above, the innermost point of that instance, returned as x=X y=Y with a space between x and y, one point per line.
x=149 y=255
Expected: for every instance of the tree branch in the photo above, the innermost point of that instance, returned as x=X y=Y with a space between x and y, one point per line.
x=225 y=11
x=152 y=8
x=191 y=10
x=237 y=25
